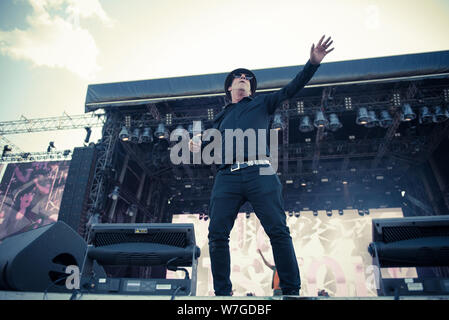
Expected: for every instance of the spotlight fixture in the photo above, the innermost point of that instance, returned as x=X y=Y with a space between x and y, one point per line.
x=161 y=132
x=305 y=125
x=147 y=135
x=6 y=149
x=248 y=215
x=385 y=119
x=362 y=116
x=329 y=212
x=373 y=121
x=340 y=212
x=124 y=134
x=425 y=116
x=51 y=146
x=115 y=193
x=135 y=135
x=320 y=120
x=277 y=122
x=334 y=122
x=407 y=113
x=440 y=114
x=297 y=214
x=88 y=133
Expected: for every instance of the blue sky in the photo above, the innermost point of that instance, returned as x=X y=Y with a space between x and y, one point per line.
x=50 y=50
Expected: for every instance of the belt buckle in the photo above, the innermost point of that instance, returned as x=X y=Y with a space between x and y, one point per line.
x=238 y=167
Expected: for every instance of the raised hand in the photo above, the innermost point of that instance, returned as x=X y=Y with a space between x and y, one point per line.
x=318 y=53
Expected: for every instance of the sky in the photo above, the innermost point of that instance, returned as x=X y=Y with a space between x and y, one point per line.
x=50 y=50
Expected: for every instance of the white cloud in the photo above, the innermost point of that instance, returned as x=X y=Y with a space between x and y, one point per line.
x=55 y=37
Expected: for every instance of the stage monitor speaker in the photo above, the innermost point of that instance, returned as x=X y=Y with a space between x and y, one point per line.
x=36 y=260
x=152 y=244
x=411 y=241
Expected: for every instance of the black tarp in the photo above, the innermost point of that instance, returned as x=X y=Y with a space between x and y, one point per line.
x=117 y=94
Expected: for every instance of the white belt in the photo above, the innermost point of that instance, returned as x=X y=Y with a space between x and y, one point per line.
x=241 y=165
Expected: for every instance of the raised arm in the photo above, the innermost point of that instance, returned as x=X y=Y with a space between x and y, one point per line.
x=317 y=54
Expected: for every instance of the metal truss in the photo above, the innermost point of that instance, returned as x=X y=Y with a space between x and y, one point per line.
x=37 y=156
x=105 y=149
x=64 y=122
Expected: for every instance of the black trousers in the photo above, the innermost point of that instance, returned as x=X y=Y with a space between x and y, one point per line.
x=230 y=191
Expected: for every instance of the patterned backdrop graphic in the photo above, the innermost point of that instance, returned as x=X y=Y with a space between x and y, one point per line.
x=30 y=195
x=331 y=251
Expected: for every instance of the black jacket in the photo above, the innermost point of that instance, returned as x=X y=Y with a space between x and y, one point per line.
x=255 y=113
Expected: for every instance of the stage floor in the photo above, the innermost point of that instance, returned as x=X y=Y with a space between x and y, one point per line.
x=15 y=295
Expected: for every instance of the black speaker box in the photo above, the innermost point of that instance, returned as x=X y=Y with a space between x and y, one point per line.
x=37 y=260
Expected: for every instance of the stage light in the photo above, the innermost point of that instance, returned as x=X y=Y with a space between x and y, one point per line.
x=348 y=103
x=320 y=120
x=373 y=121
x=248 y=215
x=66 y=152
x=288 y=181
x=305 y=125
x=201 y=216
x=361 y=212
x=51 y=146
x=300 y=107
x=205 y=217
x=329 y=212
x=362 y=116
x=132 y=210
x=425 y=116
x=147 y=135
x=385 y=119
x=160 y=132
x=340 y=212
x=334 y=122
x=297 y=214
x=440 y=114
x=88 y=133
x=124 y=135
x=115 y=193
x=135 y=135
x=407 y=113
x=168 y=119
x=6 y=149
x=303 y=183
x=290 y=213
x=210 y=114
x=277 y=122
x=345 y=181
x=315 y=213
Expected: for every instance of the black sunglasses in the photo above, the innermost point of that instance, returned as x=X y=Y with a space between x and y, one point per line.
x=239 y=75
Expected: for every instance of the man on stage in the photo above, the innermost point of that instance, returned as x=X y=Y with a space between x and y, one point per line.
x=240 y=182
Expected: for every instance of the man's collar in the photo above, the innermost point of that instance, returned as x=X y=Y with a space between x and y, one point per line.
x=248 y=98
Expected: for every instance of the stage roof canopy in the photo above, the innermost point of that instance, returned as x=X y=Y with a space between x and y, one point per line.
x=132 y=93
